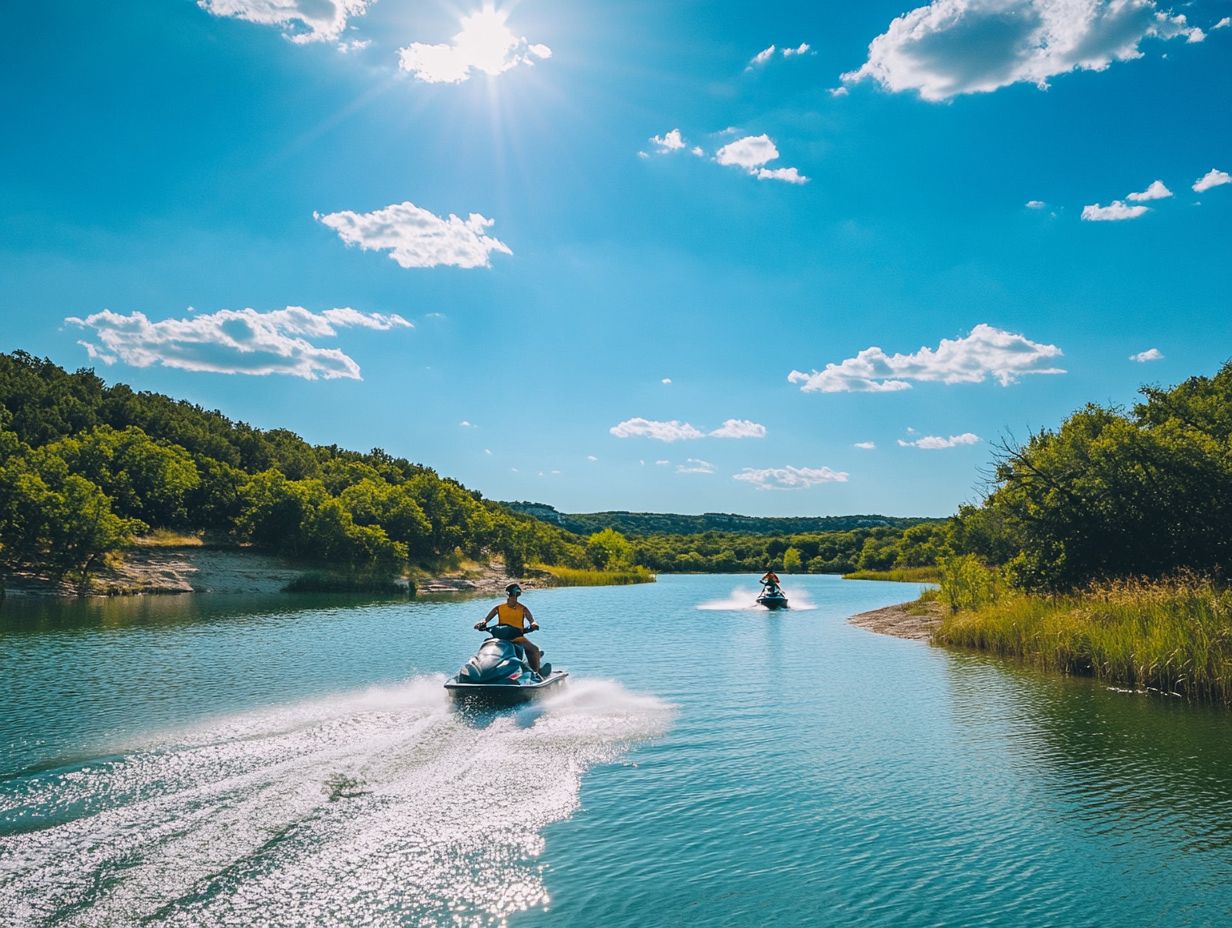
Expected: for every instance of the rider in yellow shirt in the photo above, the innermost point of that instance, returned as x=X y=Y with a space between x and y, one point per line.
x=512 y=612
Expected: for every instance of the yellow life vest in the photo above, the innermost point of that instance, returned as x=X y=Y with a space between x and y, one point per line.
x=511 y=615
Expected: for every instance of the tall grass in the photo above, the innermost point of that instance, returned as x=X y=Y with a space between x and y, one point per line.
x=571 y=576
x=1173 y=636
x=898 y=574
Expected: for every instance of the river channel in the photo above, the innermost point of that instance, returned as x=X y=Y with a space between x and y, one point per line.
x=293 y=761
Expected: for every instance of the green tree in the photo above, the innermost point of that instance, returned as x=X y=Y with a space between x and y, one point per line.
x=609 y=550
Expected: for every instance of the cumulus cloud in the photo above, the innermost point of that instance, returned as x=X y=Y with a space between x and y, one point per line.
x=232 y=341
x=591 y=458
x=789 y=477
x=1116 y=211
x=415 y=237
x=668 y=142
x=739 y=428
x=695 y=466
x=485 y=43
x=952 y=47
x=1212 y=178
x=1223 y=23
x=300 y=20
x=752 y=153
x=985 y=352
x=1151 y=354
x=934 y=442
x=1157 y=191
x=672 y=430
x=800 y=49
x=666 y=380
x=1036 y=204
x=865 y=445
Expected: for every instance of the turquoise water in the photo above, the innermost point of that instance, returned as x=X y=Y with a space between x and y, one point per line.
x=292 y=761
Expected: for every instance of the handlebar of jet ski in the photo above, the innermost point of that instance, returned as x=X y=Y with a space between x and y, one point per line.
x=490 y=629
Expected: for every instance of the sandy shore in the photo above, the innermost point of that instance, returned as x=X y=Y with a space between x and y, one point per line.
x=916 y=621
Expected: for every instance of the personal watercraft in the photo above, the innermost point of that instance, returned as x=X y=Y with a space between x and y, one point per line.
x=498 y=673
x=772 y=597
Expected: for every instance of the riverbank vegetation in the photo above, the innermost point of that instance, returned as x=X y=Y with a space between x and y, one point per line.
x=1104 y=546
x=930 y=574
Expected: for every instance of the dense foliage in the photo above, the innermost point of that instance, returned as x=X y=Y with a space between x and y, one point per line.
x=669 y=523
x=1111 y=494
x=84 y=466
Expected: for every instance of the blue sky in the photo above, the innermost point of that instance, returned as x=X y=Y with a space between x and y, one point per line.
x=872 y=234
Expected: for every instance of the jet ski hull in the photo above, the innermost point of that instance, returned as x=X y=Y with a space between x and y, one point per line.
x=506 y=694
x=772 y=602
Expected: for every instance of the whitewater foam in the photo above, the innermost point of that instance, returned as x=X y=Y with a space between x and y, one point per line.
x=380 y=806
x=743 y=598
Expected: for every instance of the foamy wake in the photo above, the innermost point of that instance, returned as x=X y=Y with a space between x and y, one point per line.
x=381 y=807
x=742 y=598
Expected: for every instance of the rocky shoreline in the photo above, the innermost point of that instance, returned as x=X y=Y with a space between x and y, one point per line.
x=914 y=620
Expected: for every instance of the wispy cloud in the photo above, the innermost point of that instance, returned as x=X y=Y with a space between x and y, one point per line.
x=766 y=54
x=1116 y=211
x=1212 y=178
x=230 y=341
x=935 y=442
x=674 y=430
x=1036 y=204
x=789 y=477
x=985 y=352
x=752 y=153
x=1156 y=191
x=485 y=44
x=695 y=466
x=1151 y=354
x=415 y=237
x=301 y=21
x=952 y=47
x=865 y=445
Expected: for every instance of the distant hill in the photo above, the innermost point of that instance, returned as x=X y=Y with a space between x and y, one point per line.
x=668 y=523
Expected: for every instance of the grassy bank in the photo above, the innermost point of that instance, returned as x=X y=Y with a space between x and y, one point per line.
x=1175 y=637
x=570 y=576
x=900 y=575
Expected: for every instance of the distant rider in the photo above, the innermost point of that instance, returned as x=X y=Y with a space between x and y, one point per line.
x=512 y=612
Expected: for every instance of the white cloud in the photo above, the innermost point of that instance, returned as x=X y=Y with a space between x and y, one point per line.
x=800 y=49
x=985 y=352
x=1212 y=178
x=662 y=462
x=301 y=20
x=1151 y=354
x=865 y=445
x=485 y=43
x=696 y=151
x=1223 y=23
x=695 y=466
x=666 y=380
x=838 y=91
x=1157 y=191
x=659 y=431
x=761 y=58
x=591 y=458
x=466 y=424
x=739 y=428
x=1116 y=211
x=789 y=477
x=952 y=47
x=487 y=451
x=231 y=341
x=752 y=153
x=668 y=142
x=1036 y=204
x=415 y=237
x=934 y=442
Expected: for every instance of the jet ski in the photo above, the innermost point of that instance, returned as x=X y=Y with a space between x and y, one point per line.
x=499 y=675
x=772 y=597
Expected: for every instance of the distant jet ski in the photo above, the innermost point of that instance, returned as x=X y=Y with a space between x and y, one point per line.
x=772 y=597
x=498 y=673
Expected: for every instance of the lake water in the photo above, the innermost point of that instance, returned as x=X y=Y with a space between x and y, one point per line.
x=293 y=761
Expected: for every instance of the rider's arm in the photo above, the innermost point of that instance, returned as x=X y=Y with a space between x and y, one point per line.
x=530 y=618
x=487 y=618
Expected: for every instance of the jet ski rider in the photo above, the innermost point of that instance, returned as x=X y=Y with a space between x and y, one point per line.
x=770 y=580
x=512 y=612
